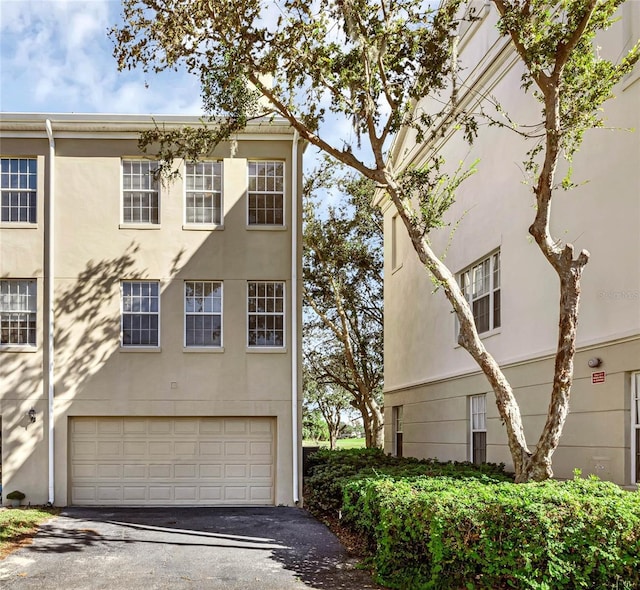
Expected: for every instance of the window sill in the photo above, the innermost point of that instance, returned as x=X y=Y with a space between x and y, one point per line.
x=203 y=349
x=18 y=225
x=18 y=348
x=202 y=226
x=396 y=269
x=266 y=227
x=139 y=226
x=485 y=335
x=266 y=349
x=140 y=349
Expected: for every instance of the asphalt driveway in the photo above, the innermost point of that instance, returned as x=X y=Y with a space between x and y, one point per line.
x=179 y=548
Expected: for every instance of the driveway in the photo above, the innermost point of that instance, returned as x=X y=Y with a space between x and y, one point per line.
x=179 y=548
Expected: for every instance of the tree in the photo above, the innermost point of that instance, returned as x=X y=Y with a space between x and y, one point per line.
x=332 y=401
x=342 y=277
x=368 y=62
x=314 y=426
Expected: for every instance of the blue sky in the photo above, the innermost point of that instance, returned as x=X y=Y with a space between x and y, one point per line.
x=55 y=56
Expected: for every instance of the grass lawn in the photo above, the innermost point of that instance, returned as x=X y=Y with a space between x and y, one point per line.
x=343 y=443
x=18 y=525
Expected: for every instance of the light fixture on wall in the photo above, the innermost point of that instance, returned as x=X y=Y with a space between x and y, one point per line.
x=594 y=362
x=32 y=415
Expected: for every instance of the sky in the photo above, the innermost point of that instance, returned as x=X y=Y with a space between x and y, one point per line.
x=55 y=57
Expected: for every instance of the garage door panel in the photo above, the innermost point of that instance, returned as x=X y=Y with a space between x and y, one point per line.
x=107 y=471
x=109 y=493
x=213 y=471
x=134 y=493
x=235 y=493
x=135 y=448
x=160 y=471
x=235 y=448
x=134 y=426
x=186 y=427
x=210 y=448
x=109 y=426
x=185 y=470
x=163 y=461
x=160 y=426
x=210 y=426
x=134 y=471
x=160 y=493
x=80 y=471
x=188 y=449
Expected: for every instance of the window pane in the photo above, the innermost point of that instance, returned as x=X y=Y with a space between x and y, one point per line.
x=140 y=202
x=266 y=314
x=140 y=313
x=266 y=193
x=18 y=184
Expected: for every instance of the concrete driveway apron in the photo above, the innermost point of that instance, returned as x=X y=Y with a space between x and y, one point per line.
x=177 y=548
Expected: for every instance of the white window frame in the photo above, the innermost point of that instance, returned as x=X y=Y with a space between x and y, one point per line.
x=635 y=427
x=396 y=262
x=157 y=191
x=398 y=428
x=251 y=224
x=283 y=314
x=477 y=410
x=140 y=313
x=30 y=193
x=206 y=192
x=466 y=280
x=188 y=313
x=27 y=290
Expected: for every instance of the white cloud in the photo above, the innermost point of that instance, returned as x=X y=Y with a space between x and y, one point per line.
x=55 y=56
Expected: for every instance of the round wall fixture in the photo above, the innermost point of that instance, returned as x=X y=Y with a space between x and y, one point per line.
x=594 y=362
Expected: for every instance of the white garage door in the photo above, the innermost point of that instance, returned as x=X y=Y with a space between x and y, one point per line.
x=163 y=461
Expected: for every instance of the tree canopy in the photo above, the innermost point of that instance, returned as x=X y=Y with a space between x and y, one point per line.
x=366 y=63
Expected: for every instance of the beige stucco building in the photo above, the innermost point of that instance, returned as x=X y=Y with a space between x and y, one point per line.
x=150 y=330
x=437 y=403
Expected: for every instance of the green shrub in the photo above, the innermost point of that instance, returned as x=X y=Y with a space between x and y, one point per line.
x=444 y=532
x=330 y=471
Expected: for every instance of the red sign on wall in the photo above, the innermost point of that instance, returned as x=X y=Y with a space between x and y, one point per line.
x=598 y=377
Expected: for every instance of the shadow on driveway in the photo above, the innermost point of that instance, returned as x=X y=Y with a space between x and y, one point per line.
x=222 y=548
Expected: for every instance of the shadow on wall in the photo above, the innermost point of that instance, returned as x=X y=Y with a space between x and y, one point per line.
x=84 y=346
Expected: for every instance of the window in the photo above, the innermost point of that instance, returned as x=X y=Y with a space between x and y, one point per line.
x=478 y=429
x=140 y=313
x=635 y=428
x=203 y=313
x=18 y=186
x=266 y=193
x=394 y=243
x=140 y=196
x=18 y=307
x=398 y=426
x=480 y=285
x=204 y=193
x=265 y=314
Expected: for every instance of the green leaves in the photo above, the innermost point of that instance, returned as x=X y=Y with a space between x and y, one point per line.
x=441 y=532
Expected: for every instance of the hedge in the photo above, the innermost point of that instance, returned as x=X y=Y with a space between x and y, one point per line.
x=330 y=471
x=450 y=533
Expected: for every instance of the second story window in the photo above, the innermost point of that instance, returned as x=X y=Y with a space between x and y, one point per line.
x=18 y=308
x=18 y=187
x=140 y=313
x=480 y=285
x=203 y=193
x=265 y=305
x=203 y=313
x=140 y=193
x=266 y=193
